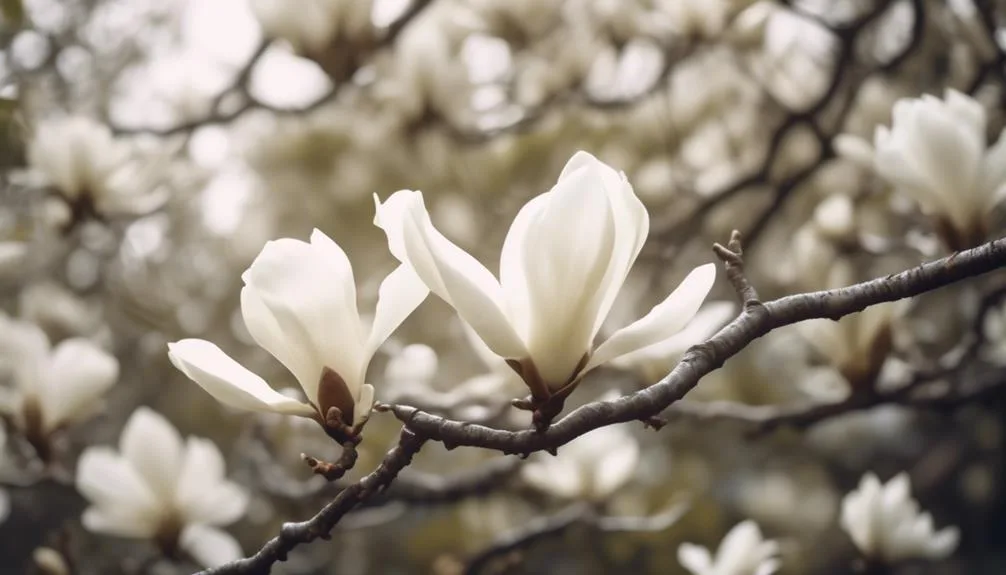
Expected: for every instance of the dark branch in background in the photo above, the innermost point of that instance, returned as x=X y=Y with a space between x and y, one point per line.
x=810 y=118
x=753 y=322
x=240 y=86
x=580 y=514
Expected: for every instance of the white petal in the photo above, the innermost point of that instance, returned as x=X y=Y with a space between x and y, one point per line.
x=266 y=332
x=120 y=522
x=153 y=447
x=993 y=173
x=110 y=482
x=24 y=348
x=662 y=322
x=204 y=495
x=310 y=290
x=208 y=546
x=695 y=558
x=707 y=321
x=228 y=381
x=399 y=295
x=855 y=149
x=79 y=374
x=632 y=224
x=616 y=467
x=738 y=546
x=450 y=272
x=556 y=257
x=364 y=404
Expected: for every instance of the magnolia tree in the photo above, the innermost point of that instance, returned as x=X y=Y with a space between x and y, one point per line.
x=656 y=287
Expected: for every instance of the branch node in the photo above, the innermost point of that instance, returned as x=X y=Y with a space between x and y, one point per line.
x=732 y=257
x=655 y=423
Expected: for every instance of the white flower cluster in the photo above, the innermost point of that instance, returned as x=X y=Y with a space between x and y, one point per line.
x=563 y=262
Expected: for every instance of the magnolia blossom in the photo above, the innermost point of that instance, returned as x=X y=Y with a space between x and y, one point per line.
x=885 y=523
x=742 y=552
x=656 y=361
x=94 y=172
x=563 y=262
x=52 y=387
x=158 y=487
x=936 y=152
x=857 y=344
x=592 y=466
x=299 y=304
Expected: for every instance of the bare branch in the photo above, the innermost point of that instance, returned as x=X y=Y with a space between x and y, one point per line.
x=319 y=526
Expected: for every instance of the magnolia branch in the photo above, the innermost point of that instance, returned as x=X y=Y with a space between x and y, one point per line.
x=756 y=320
x=318 y=527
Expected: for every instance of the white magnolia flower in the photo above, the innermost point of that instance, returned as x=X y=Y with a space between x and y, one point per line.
x=657 y=360
x=563 y=262
x=310 y=26
x=858 y=344
x=52 y=387
x=592 y=466
x=885 y=523
x=299 y=304
x=742 y=552
x=936 y=152
x=92 y=170
x=158 y=487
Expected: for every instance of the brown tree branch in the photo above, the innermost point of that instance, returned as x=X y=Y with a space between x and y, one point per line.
x=704 y=358
x=646 y=404
x=318 y=527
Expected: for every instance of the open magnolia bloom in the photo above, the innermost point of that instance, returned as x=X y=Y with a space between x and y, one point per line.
x=886 y=525
x=160 y=488
x=591 y=467
x=299 y=304
x=563 y=262
x=95 y=173
x=742 y=552
x=857 y=344
x=936 y=152
x=52 y=386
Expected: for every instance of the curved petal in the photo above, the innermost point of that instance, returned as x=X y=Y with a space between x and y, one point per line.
x=662 y=322
x=120 y=522
x=556 y=257
x=79 y=374
x=153 y=447
x=266 y=332
x=310 y=290
x=208 y=546
x=108 y=481
x=364 y=404
x=450 y=272
x=204 y=495
x=228 y=381
x=707 y=321
x=695 y=558
x=399 y=295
